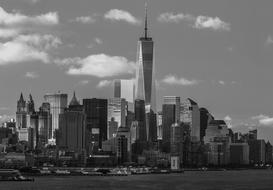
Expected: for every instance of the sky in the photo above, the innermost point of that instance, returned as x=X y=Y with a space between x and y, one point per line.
x=217 y=52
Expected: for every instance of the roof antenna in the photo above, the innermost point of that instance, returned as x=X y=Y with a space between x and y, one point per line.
x=146 y=20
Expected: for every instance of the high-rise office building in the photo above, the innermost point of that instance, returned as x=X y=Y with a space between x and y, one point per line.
x=256 y=151
x=112 y=128
x=141 y=121
x=44 y=124
x=21 y=113
x=159 y=126
x=30 y=105
x=96 y=123
x=117 y=109
x=21 y=119
x=168 y=118
x=58 y=102
x=176 y=141
x=71 y=134
x=125 y=88
x=205 y=119
x=173 y=100
x=217 y=142
x=122 y=149
x=190 y=115
x=145 y=81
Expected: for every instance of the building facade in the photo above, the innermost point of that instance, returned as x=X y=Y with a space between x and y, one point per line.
x=96 y=123
x=190 y=114
x=125 y=89
x=71 y=133
x=117 y=109
x=58 y=103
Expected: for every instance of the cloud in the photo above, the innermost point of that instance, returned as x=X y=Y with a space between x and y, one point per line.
x=32 y=47
x=98 y=40
x=84 y=19
x=104 y=83
x=175 y=18
x=211 y=23
x=199 y=22
x=83 y=82
x=32 y=1
x=15 y=19
x=8 y=33
x=31 y=75
x=269 y=40
x=263 y=120
x=121 y=15
x=98 y=65
x=221 y=82
x=174 y=80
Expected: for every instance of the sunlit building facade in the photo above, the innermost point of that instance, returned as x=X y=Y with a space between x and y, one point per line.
x=58 y=103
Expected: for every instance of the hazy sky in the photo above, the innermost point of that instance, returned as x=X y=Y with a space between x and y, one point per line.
x=217 y=52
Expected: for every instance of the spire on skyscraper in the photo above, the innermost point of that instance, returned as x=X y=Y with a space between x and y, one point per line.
x=30 y=98
x=21 y=98
x=146 y=21
x=74 y=101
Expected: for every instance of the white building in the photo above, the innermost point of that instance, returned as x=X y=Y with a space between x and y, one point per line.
x=58 y=102
x=125 y=89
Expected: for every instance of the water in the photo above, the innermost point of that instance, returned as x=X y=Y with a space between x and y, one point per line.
x=210 y=180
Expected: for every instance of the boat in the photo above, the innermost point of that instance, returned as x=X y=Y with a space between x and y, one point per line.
x=12 y=175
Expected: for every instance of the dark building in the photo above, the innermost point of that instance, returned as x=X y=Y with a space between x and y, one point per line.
x=168 y=118
x=252 y=135
x=140 y=117
x=239 y=154
x=205 y=118
x=71 y=134
x=177 y=138
x=96 y=123
x=256 y=151
x=122 y=149
x=5 y=133
x=33 y=131
x=30 y=105
x=44 y=124
x=113 y=127
x=268 y=153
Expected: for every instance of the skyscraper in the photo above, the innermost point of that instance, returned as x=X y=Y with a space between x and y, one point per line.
x=117 y=110
x=145 y=80
x=71 y=134
x=21 y=113
x=58 y=102
x=21 y=119
x=96 y=123
x=45 y=124
x=173 y=100
x=190 y=115
x=168 y=118
x=205 y=119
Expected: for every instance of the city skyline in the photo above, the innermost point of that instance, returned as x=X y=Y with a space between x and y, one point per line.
x=226 y=60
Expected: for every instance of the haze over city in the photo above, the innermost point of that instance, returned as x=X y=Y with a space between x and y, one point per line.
x=216 y=52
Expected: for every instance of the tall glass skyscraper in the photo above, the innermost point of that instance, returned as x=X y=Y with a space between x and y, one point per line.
x=145 y=81
x=58 y=102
